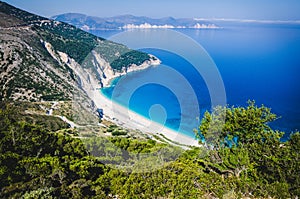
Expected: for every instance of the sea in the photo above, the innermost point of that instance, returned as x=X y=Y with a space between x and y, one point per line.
x=259 y=62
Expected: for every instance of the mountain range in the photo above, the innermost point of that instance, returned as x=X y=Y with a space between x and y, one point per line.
x=129 y=21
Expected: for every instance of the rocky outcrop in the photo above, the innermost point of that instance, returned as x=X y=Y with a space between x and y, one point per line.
x=107 y=73
x=100 y=74
x=101 y=70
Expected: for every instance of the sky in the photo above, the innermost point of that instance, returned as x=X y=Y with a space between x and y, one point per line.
x=232 y=9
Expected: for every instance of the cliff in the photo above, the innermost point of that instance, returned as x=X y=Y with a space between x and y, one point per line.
x=43 y=59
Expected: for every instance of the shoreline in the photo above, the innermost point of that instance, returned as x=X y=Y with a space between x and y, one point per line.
x=119 y=114
x=129 y=119
x=153 y=61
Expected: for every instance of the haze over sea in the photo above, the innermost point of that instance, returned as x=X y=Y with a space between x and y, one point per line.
x=257 y=62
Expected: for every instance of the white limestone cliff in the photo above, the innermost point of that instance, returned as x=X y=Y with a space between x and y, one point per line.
x=105 y=73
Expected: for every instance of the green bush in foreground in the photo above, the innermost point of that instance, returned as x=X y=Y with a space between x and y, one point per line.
x=37 y=163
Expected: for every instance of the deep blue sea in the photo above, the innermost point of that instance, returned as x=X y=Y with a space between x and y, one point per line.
x=260 y=63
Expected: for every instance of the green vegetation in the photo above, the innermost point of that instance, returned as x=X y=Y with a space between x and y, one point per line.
x=23 y=81
x=63 y=37
x=116 y=131
x=128 y=58
x=243 y=145
x=68 y=39
x=36 y=162
x=170 y=141
x=41 y=158
x=49 y=123
x=119 y=56
x=30 y=73
x=77 y=43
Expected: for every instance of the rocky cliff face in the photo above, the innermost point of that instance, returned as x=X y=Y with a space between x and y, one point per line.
x=99 y=73
x=27 y=71
x=42 y=59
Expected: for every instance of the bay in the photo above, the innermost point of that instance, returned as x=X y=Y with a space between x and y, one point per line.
x=260 y=63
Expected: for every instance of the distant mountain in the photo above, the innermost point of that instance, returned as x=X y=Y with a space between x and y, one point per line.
x=43 y=59
x=129 y=21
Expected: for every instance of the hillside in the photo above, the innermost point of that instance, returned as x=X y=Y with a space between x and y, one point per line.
x=55 y=65
x=42 y=59
x=49 y=161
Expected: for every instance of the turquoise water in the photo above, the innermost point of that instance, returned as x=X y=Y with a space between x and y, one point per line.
x=258 y=63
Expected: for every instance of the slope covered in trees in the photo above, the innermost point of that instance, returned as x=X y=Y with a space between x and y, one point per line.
x=36 y=162
x=31 y=63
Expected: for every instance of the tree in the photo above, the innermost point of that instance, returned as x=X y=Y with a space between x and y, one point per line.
x=224 y=126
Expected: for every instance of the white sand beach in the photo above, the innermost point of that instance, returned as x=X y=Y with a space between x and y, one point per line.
x=117 y=113
x=131 y=120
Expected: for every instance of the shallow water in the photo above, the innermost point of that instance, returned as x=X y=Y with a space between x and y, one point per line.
x=258 y=63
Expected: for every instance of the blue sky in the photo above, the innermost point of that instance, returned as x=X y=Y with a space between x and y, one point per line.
x=237 y=9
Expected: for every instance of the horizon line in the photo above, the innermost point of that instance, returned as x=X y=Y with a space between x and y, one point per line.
x=297 y=21
x=249 y=20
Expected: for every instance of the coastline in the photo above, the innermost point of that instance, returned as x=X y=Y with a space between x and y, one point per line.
x=131 y=120
x=119 y=114
x=111 y=75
